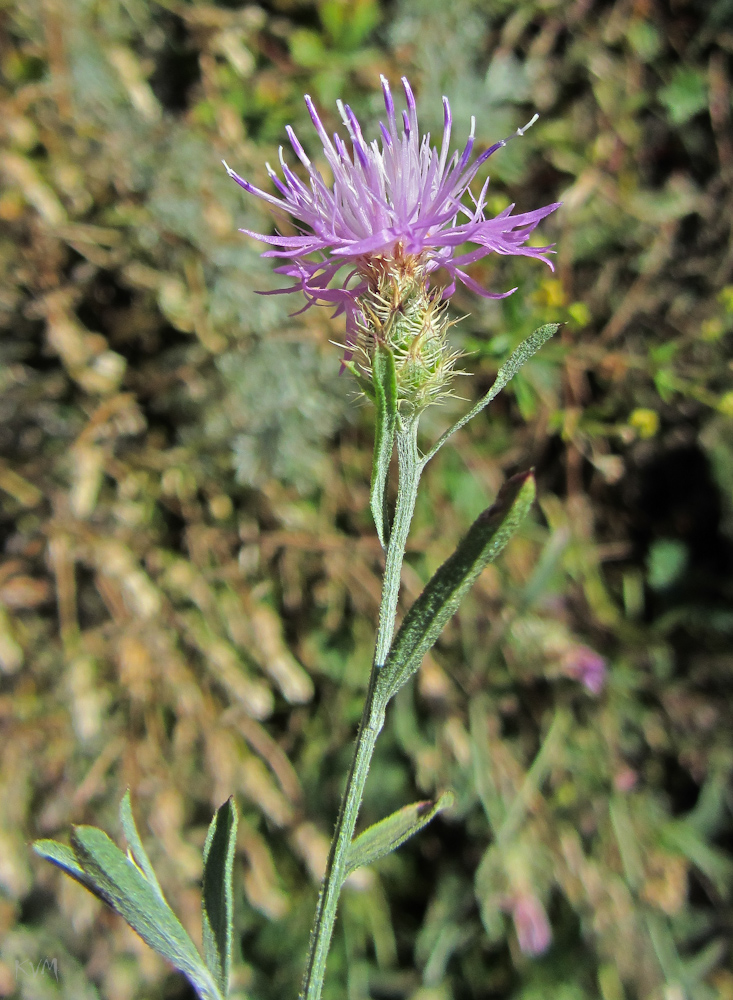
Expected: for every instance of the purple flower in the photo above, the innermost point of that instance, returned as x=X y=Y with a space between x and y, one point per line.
x=531 y=924
x=403 y=202
x=585 y=665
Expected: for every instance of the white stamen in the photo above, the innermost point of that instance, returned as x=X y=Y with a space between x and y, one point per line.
x=530 y=123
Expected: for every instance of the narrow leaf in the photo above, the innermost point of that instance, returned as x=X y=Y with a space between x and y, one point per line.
x=506 y=373
x=627 y=841
x=217 y=901
x=681 y=836
x=385 y=401
x=424 y=622
x=123 y=886
x=65 y=859
x=389 y=833
x=700 y=965
x=364 y=383
x=136 y=845
x=546 y=758
x=483 y=757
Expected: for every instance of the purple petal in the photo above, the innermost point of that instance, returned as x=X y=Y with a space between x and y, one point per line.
x=475 y=287
x=405 y=192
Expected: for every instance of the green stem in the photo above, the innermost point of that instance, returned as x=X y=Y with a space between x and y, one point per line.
x=372 y=720
x=410 y=469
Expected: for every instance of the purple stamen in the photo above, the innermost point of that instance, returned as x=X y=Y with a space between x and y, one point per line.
x=502 y=142
x=299 y=151
x=409 y=96
x=447 y=116
x=411 y=105
x=276 y=181
x=447 y=124
x=388 y=102
x=322 y=135
x=341 y=149
x=469 y=147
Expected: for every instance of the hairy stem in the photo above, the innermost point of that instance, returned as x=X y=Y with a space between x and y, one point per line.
x=372 y=718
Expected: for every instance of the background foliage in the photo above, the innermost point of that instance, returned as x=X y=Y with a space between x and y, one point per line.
x=189 y=576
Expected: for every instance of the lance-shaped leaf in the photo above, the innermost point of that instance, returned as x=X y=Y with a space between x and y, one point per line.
x=139 y=854
x=217 y=902
x=424 y=622
x=506 y=373
x=385 y=402
x=387 y=835
x=100 y=866
x=65 y=859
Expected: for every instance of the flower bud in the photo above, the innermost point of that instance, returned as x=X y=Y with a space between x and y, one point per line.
x=401 y=312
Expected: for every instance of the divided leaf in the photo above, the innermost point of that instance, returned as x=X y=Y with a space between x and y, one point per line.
x=424 y=622
x=388 y=834
x=100 y=866
x=137 y=850
x=217 y=901
x=127 y=891
x=385 y=401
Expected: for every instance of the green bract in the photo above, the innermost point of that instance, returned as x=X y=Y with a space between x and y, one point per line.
x=402 y=314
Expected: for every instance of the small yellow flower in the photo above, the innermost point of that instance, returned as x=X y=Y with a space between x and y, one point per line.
x=645 y=422
x=551 y=293
x=725 y=404
x=712 y=329
x=726 y=297
x=579 y=313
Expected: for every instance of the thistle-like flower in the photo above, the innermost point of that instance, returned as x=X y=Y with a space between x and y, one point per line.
x=397 y=213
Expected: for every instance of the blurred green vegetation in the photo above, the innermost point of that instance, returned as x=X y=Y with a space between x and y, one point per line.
x=189 y=577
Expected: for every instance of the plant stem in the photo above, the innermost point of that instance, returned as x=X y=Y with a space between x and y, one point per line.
x=372 y=720
x=410 y=469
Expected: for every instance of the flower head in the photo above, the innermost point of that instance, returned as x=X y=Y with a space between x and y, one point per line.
x=402 y=201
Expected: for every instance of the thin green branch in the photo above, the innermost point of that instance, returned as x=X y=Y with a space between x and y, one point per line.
x=505 y=374
x=372 y=718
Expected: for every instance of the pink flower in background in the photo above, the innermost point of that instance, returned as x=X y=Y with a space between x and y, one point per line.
x=625 y=780
x=531 y=925
x=403 y=200
x=585 y=665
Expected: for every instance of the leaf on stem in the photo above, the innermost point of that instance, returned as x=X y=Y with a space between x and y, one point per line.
x=217 y=901
x=121 y=883
x=65 y=859
x=388 y=834
x=506 y=373
x=385 y=401
x=424 y=622
x=139 y=854
x=100 y=866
